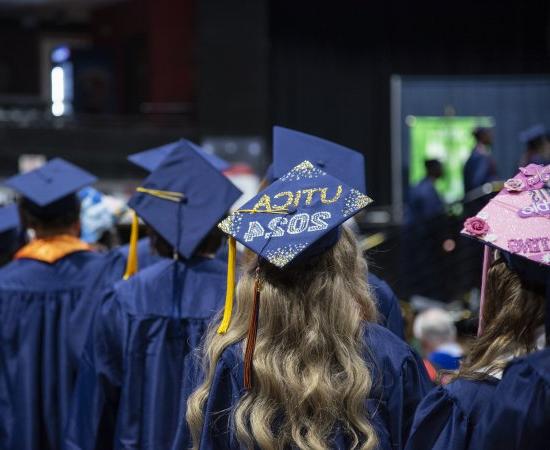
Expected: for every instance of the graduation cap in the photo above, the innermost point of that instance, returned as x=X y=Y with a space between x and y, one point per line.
x=10 y=227
x=49 y=190
x=152 y=159
x=532 y=133
x=292 y=147
x=296 y=217
x=182 y=200
x=516 y=222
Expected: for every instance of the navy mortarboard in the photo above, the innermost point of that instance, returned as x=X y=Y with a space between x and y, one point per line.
x=292 y=147
x=50 y=189
x=183 y=209
x=152 y=159
x=298 y=216
x=51 y=182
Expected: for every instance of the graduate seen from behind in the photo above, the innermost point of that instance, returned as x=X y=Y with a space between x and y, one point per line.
x=44 y=315
x=515 y=232
x=518 y=417
x=300 y=363
x=130 y=380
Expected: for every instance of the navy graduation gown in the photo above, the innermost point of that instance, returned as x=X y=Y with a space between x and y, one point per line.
x=43 y=316
x=387 y=304
x=146 y=255
x=447 y=417
x=399 y=383
x=424 y=202
x=479 y=169
x=130 y=380
x=519 y=417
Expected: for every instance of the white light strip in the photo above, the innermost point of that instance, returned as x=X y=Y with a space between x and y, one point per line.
x=58 y=91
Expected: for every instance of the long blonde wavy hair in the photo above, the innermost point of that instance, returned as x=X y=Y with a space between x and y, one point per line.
x=309 y=372
x=513 y=311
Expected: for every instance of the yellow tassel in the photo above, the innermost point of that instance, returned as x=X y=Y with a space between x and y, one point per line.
x=132 y=262
x=230 y=289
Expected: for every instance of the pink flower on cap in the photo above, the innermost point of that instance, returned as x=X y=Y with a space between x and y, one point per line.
x=514 y=185
x=476 y=226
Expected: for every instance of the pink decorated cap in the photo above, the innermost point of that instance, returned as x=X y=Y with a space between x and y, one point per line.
x=517 y=220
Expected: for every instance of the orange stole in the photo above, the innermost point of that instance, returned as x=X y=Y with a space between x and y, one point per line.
x=50 y=250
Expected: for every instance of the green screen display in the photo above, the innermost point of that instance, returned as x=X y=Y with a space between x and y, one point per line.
x=448 y=139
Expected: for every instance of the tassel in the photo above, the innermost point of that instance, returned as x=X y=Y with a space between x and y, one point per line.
x=485 y=271
x=230 y=289
x=132 y=261
x=252 y=333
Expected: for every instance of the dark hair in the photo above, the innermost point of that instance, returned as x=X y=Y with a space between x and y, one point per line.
x=432 y=164
x=210 y=244
x=59 y=214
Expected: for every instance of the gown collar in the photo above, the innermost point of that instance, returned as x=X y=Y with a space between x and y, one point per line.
x=52 y=249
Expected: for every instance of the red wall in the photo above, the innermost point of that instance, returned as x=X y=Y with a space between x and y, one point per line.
x=152 y=42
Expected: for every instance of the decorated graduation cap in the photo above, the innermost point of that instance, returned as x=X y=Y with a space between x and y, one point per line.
x=517 y=223
x=291 y=147
x=296 y=217
x=182 y=199
x=151 y=159
x=49 y=190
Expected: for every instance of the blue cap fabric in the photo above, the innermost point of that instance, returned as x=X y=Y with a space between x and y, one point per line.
x=292 y=147
x=184 y=197
x=531 y=133
x=51 y=182
x=152 y=159
x=9 y=218
x=303 y=207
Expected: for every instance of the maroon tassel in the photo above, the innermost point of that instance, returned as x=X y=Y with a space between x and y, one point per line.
x=252 y=333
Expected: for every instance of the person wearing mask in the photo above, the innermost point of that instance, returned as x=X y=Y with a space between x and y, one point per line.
x=480 y=168
x=129 y=383
x=44 y=312
x=515 y=270
x=291 y=147
x=300 y=362
x=436 y=332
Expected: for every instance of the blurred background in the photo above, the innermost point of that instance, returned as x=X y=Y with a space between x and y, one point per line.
x=402 y=82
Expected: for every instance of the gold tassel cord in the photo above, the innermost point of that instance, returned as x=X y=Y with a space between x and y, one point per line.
x=231 y=264
x=267 y=211
x=132 y=260
x=165 y=195
x=230 y=290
